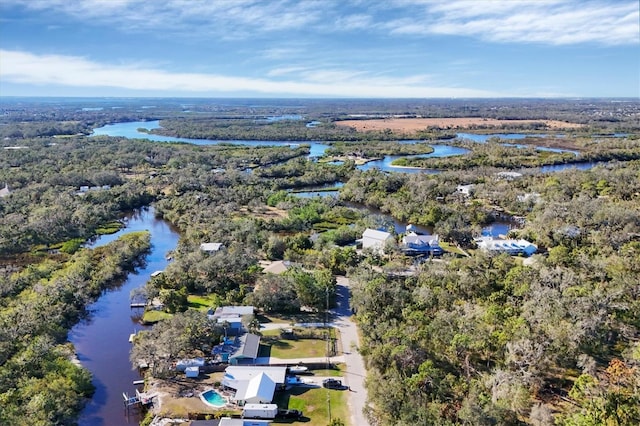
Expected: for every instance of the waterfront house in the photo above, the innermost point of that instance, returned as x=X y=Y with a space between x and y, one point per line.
x=413 y=243
x=509 y=175
x=512 y=247
x=246 y=350
x=253 y=384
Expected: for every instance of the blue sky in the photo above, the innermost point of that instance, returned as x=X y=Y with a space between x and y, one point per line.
x=323 y=48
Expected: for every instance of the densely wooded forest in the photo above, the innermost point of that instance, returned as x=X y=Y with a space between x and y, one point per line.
x=473 y=338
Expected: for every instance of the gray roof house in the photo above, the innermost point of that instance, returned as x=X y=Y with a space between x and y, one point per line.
x=247 y=351
x=421 y=244
x=375 y=240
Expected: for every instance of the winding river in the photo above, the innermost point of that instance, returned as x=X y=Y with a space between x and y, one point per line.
x=102 y=340
x=317 y=149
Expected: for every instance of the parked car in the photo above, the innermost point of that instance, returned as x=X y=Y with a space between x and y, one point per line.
x=332 y=384
x=289 y=414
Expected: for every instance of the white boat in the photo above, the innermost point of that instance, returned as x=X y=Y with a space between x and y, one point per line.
x=298 y=369
x=131 y=337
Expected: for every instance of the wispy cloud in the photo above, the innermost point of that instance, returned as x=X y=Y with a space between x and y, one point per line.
x=27 y=68
x=555 y=22
x=225 y=18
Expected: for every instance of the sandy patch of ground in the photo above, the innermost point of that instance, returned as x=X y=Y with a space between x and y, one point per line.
x=264 y=212
x=180 y=396
x=414 y=124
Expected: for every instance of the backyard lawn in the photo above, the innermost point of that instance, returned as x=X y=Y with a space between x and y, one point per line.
x=275 y=346
x=313 y=404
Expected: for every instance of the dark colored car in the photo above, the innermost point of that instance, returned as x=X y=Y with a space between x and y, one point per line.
x=290 y=414
x=332 y=384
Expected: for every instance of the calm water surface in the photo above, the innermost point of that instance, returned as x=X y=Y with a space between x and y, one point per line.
x=130 y=130
x=102 y=341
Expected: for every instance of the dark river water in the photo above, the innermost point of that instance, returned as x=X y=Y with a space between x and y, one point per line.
x=102 y=340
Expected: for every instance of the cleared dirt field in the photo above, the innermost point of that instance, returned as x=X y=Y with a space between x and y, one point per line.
x=409 y=125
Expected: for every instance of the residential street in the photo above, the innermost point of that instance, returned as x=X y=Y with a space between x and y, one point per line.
x=356 y=372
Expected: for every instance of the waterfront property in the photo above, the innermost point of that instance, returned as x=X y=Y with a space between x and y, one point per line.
x=231 y=316
x=237 y=350
x=247 y=350
x=183 y=364
x=415 y=244
x=512 y=247
x=213 y=399
x=255 y=385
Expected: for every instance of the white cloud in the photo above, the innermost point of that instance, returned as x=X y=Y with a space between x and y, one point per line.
x=225 y=18
x=556 y=22
x=25 y=68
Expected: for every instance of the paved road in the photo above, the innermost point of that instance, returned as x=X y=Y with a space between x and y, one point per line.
x=355 y=369
x=356 y=372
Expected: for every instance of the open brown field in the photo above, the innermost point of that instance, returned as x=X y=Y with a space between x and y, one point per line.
x=408 y=125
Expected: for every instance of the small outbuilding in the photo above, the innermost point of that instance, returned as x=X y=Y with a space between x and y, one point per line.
x=192 y=372
x=211 y=247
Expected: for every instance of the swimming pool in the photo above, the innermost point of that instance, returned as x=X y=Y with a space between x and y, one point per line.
x=213 y=398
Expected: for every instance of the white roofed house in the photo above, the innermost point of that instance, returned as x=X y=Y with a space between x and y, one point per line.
x=254 y=384
x=211 y=247
x=5 y=191
x=232 y=315
x=466 y=190
x=375 y=240
x=512 y=247
x=258 y=390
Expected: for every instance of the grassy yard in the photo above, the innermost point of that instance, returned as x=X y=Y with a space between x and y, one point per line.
x=313 y=404
x=203 y=303
x=197 y=302
x=447 y=247
x=338 y=371
x=273 y=345
x=292 y=318
x=152 y=316
x=290 y=349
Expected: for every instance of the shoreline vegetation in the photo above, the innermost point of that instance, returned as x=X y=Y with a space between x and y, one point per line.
x=471 y=336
